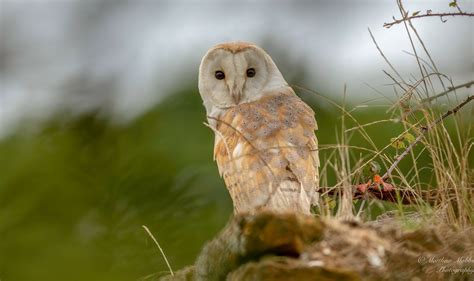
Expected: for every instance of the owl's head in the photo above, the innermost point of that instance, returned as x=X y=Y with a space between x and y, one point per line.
x=237 y=72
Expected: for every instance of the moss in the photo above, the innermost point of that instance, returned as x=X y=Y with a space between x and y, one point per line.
x=268 y=246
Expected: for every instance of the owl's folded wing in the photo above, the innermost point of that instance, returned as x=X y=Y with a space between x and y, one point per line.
x=268 y=145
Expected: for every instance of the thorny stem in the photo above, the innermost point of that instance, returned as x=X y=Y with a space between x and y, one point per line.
x=440 y=15
x=424 y=130
x=404 y=14
x=390 y=195
x=450 y=89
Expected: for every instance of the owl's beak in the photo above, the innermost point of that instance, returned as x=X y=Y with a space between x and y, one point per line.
x=236 y=91
x=236 y=96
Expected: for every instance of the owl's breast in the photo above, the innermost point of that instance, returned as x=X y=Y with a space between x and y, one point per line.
x=267 y=145
x=274 y=120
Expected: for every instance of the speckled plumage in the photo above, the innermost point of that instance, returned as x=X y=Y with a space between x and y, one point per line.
x=268 y=145
x=265 y=146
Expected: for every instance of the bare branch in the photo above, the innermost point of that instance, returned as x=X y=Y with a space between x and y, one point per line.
x=424 y=130
x=440 y=15
x=404 y=14
x=426 y=51
x=404 y=196
x=383 y=55
x=449 y=90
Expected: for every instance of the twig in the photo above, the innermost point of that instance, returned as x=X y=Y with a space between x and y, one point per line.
x=405 y=196
x=383 y=55
x=422 y=102
x=396 y=82
x=424 y=130
x=404 y=14
x=427 y=53
x=450 y=89
x=159 y=247
x=406 y=97
x=370 y=124
x=455 y=2
x=441 y=15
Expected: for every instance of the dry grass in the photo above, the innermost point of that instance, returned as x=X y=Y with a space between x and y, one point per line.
x=448 y=195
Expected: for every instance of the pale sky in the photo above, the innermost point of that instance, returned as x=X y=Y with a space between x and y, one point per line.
x=125 y=56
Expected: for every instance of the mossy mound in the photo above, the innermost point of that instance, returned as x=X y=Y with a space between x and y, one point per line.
x=288 y=247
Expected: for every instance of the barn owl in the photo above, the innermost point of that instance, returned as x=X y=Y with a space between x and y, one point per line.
x=265 y=146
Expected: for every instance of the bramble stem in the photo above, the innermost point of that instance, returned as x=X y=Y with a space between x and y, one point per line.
x=440 y=15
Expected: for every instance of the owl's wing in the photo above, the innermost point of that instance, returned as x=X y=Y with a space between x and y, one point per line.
x=267 y=153
x=302 y=150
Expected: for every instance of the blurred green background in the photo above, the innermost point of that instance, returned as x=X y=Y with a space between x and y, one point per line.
x=74 y=194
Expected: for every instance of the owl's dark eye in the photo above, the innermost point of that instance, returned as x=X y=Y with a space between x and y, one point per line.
x=219 y=75
x=251 y=72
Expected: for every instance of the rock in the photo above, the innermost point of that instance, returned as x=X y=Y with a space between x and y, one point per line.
x=269 y=246
x=289 y=269
x=248 y=237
